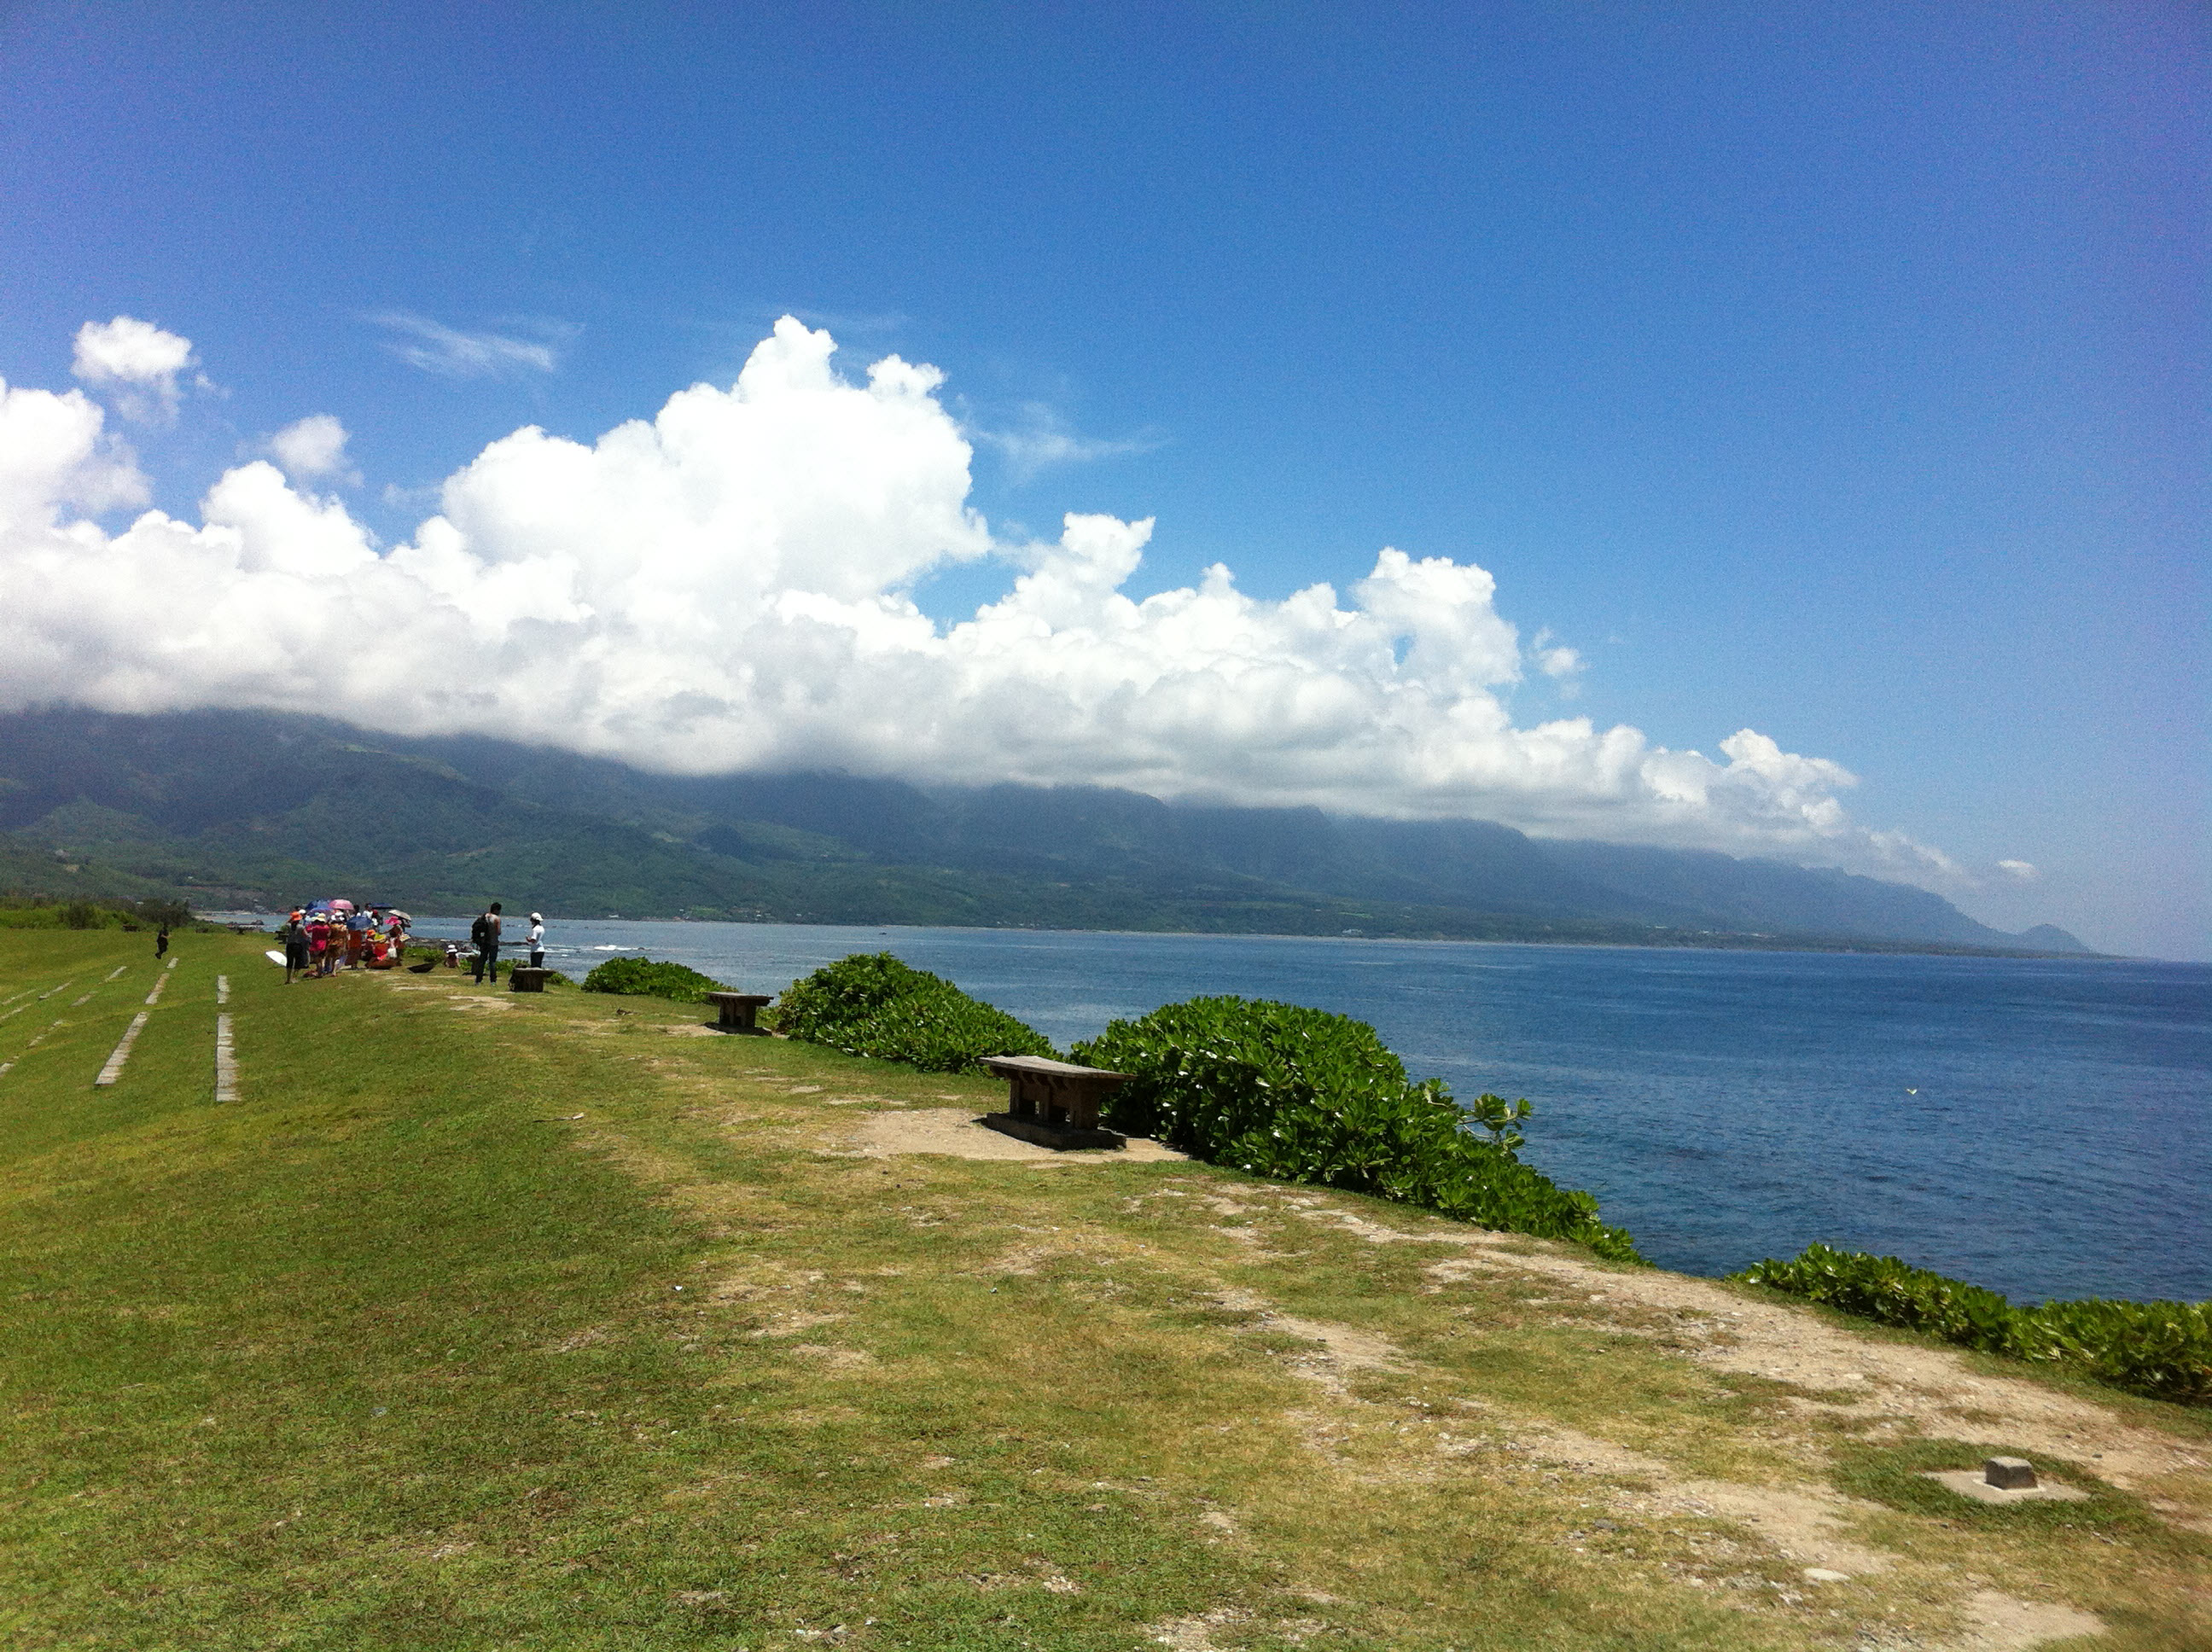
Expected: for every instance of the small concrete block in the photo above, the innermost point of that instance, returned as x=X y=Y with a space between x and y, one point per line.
x=1970 y=1483
x=2009 y=1473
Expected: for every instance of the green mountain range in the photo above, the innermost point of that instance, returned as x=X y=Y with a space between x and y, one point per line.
x=257 y=810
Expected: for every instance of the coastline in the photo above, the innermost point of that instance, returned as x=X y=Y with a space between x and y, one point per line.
x=1544 y=935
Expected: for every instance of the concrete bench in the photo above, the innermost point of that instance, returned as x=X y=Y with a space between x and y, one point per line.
x=735 y=1012
x=1052 y=1103
x=521 y=978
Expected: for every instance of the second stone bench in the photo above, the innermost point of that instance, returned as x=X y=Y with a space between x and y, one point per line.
x=1054 y=1103
x=735 y=1012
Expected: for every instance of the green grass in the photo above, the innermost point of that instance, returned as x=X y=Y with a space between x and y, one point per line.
x=1896 y=1473
x=398 y=1352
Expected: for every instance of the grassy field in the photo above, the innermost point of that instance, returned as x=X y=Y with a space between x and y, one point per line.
x=491 y=1320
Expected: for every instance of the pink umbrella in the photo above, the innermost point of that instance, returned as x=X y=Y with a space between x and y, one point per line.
x=342 y=906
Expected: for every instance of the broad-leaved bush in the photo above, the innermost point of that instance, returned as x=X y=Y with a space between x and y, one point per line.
x=2162 y=1349
x=1305 y=1095
x=871 y=1004
x=647 y=978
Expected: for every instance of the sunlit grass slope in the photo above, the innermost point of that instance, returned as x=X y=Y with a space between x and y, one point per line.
x=399 y=1351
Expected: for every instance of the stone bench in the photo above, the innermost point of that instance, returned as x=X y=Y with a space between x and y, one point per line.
x=1052 y=1103
x=735 y=1012
x=521 y=978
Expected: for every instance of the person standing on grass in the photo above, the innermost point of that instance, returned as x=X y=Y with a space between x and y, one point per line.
x=485 y=933
x=160 y=942
x=295 y=938
x=536 y=941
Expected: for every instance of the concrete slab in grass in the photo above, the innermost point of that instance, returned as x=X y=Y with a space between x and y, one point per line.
x=1972 y=1483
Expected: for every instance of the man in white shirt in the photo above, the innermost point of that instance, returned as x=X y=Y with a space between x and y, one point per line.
x=536 y=941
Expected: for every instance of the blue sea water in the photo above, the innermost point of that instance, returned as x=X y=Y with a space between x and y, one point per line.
x=2041 y=1127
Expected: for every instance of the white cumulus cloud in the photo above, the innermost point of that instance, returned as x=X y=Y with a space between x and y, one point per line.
x=136 y=364
x=54 y=453
x=2023 y=871
x=728 y=586
x=1556 y=660
x=313 y=448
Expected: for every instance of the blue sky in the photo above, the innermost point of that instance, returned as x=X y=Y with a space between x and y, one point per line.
x=1839 y=377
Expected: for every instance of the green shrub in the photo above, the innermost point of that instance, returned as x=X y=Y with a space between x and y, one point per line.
x=870 y=1004
x=157 y=912
x=1304 y=1095
x=37 y=912
x=2162 y=1349
x=645 y=978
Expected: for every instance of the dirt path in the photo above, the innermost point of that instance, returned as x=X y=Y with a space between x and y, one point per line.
x=1932 y=1388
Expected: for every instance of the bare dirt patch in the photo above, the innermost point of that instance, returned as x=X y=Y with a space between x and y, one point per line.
x=954 y=1132
x=1194 y=1634
x=1932 y=1388
x=834 y=1359
x=791 y=1325
x=1998 y=1622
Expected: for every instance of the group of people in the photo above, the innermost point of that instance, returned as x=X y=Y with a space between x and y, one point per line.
x=325 y=936
x=485 y=934
x=322 y=937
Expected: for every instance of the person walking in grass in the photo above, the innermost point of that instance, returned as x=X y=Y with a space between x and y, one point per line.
x=485 y=933
x=160 y=942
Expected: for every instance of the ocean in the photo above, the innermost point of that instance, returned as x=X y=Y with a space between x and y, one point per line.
x=2043 y=1127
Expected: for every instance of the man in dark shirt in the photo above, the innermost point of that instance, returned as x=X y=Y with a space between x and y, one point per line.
x=485 y=933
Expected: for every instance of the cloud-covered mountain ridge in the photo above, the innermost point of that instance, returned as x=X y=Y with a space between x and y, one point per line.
x=248 y=806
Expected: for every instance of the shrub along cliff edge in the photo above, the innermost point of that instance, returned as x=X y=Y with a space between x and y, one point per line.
x=647 y=978
x=871 y=1004
x=2162 y=1349
x=1305 y=1095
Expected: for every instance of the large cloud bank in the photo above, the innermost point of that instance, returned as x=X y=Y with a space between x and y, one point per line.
x=726 y=588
